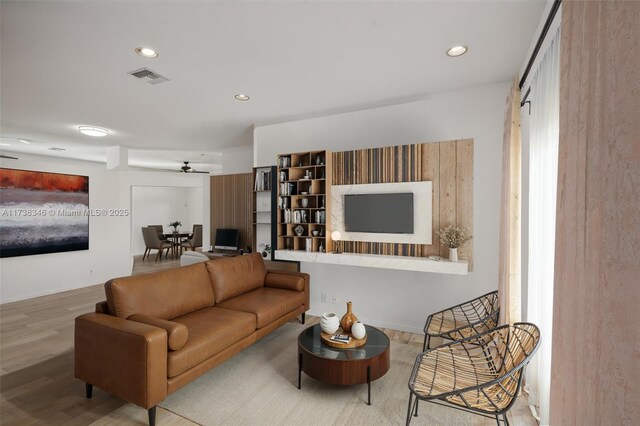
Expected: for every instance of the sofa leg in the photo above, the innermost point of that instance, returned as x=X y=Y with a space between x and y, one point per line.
x=303 y=317
x=88 y=388
x=152 y=415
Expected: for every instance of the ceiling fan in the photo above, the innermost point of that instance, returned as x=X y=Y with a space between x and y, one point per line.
x=188 y=169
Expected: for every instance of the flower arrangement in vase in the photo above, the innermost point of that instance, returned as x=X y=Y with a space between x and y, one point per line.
x=175 y=225
x=453 y=237
x=266 y=249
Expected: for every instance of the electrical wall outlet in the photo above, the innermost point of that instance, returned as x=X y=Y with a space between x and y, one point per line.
x=334 y=300
x=323 y=297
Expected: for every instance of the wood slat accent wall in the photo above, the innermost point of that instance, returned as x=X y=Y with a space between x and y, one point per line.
x=231 y=205
x=449 y=165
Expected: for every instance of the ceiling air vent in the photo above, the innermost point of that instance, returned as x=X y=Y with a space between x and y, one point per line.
x=151 y=77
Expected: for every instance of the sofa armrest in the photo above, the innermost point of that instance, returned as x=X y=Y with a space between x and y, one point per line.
x=125 y=358
x=177 y=334
x=295 y=281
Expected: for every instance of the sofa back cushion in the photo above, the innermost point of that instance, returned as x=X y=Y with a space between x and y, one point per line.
x=232 y=276
x=164 y=295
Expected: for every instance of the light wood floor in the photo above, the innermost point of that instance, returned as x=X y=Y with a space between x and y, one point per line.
x=37 y=385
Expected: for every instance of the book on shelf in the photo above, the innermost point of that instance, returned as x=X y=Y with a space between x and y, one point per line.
x=263 y=181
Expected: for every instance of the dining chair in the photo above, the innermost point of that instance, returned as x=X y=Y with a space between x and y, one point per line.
x=464 y=320
x=480 y=374
x=160 y=229
x=152 y=241
x=194 y=241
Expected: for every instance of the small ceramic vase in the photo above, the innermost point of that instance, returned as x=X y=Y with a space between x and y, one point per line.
x=453 y=254
x=329 y=323
x=305 y=202
x=358 y=331
x=348 y=319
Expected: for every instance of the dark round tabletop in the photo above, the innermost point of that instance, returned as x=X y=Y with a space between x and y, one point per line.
x=377 y=344
x=343 y=366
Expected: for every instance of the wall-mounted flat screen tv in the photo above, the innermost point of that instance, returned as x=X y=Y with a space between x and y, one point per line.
x=379 y=213
x=227 y=239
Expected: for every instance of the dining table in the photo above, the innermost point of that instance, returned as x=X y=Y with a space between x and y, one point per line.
x=176 y=238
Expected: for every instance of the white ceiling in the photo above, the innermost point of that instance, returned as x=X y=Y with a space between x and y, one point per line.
x=65 y=63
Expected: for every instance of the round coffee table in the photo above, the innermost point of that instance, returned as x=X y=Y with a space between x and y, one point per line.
x=337 y=366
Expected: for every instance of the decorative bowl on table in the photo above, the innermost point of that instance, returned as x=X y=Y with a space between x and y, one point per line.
x=329 y=323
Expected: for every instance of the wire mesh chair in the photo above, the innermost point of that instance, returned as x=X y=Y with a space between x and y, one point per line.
x=480 y=374
x=464 y=320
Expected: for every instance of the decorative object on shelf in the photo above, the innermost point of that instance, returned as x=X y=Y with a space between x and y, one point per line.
x=348 y=319
x=304 y=193
x=304 y=202
x=175 y=225
x=266 y=249
x=335 y=236
x=358 y=330
x=283 y=176
x=321 y=248
x=308 y=244
x=318 y=160
x=321 y=232
x=299 y=230
x=329 y=322
x=453 y=237
x=315 y=232
x=287 y=243
x=308 y=174
x=323 y=201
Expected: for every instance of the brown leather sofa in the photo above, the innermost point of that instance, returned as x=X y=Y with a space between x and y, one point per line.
x=157 y=332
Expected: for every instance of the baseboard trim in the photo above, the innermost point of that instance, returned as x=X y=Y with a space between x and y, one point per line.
x=381 y=324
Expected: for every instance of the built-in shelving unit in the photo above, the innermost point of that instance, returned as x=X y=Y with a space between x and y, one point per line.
x=264 y=207
x=304 y=184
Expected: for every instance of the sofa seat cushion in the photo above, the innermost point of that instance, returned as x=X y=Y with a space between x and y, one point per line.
x=267 y=304
x=211 y=330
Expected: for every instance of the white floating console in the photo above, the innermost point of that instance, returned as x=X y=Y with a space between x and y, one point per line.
x=408 y=263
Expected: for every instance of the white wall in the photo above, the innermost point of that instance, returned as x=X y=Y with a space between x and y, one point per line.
x=109 y=253
x=403 y=299
x=159 y=205
x=237 y=160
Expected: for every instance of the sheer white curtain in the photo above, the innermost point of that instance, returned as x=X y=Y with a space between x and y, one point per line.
x=543 y=179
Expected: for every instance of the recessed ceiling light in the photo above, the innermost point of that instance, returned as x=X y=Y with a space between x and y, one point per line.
x=147 y=52
x=457 y=51
x=25 y=141
x=242 y=97
x=55 y=148
x=94 y=131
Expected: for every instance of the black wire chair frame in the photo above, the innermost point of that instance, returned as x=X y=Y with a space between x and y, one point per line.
x=467 y=319
x=494 y=360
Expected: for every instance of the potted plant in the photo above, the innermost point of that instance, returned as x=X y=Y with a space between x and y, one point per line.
x=266 y=249
x=175 y=225
x=453 y=237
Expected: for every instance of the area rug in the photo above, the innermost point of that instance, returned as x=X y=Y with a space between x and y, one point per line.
x=259 y=387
